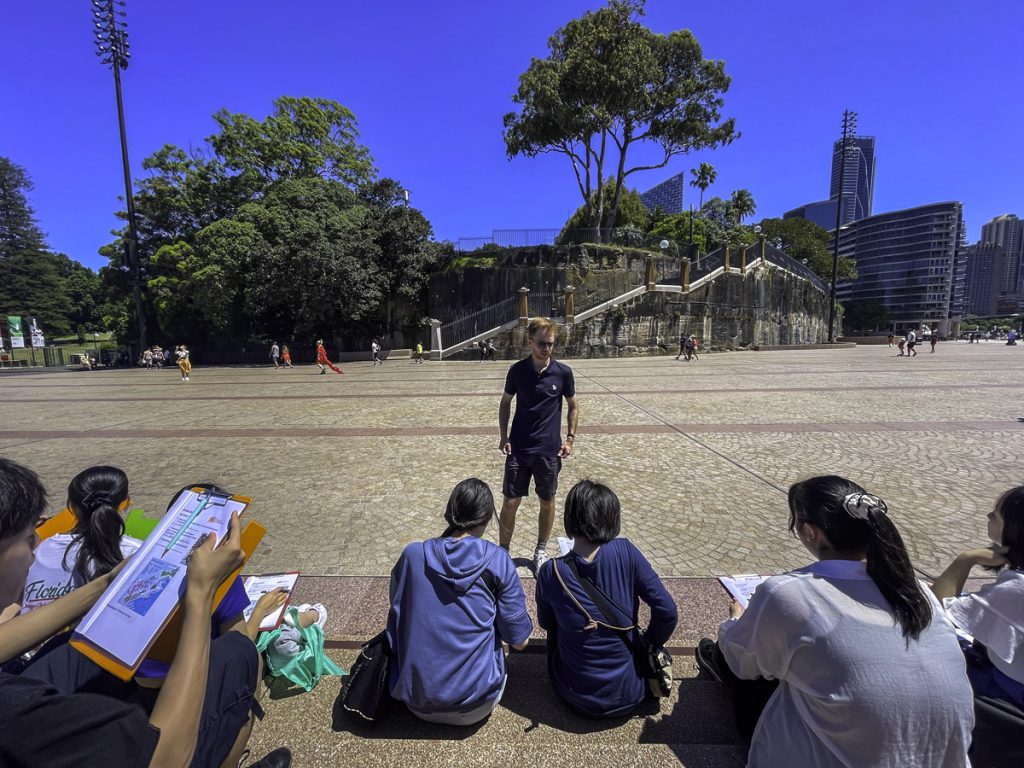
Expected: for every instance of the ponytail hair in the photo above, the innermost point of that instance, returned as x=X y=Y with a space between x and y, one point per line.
x=95 y=496
x=854 y=521
x=471 y=504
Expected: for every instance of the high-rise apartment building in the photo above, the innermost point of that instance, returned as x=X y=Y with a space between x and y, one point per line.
x=911 y=262
x=668 y=195
x=1007 y=231
x=985 y=267
x=858 y=178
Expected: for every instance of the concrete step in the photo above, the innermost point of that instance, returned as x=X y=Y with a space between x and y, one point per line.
x=531 y=726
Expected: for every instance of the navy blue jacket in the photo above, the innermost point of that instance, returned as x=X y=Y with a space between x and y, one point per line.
x=593 y=669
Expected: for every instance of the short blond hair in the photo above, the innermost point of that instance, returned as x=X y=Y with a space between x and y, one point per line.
x=543 y=324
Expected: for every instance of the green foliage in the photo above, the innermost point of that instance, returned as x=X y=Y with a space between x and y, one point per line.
x=279 y=228
x=741 y=205
x=703 y=177
x=35 y=282
x=631 y=212
x=676 y=227
x=805 y=240
x=609 y=83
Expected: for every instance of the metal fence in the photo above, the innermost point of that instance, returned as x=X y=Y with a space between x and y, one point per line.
x=626 y=237
x=464 y=327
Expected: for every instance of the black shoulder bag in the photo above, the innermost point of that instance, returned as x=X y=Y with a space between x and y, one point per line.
x=653 y=662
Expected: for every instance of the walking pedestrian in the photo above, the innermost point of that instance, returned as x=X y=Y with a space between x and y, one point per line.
x=911 y=343
x=323 y=361
x=184 y=365
x=418 y=354
x=934 y=340
x=535 y=449
x=903 y=347
x=375 y=353
x=275 y=354
x=286 y=356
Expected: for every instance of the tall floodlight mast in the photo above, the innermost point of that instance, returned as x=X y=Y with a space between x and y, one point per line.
x=110 y=27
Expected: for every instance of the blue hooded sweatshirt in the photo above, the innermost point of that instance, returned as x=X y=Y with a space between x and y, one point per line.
x=447 y=622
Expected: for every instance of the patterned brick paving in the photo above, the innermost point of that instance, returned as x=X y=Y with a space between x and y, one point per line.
x=346 y=470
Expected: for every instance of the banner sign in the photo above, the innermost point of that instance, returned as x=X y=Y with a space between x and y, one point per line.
x=14 y=328
x=35 y=333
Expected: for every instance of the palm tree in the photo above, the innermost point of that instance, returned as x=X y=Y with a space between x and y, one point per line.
x=703 y=177
x=742 y=204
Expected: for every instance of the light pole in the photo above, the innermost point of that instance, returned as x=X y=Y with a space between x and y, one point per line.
x=111 y=31
x=849 y=127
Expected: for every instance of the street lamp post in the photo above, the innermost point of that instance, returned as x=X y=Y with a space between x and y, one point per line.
x=111 y=31
x=849 y=127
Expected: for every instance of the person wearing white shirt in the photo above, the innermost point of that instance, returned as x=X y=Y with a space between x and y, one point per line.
x=994 y=615
x=868 y=667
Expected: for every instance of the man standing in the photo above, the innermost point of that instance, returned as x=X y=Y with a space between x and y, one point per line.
x=911 y=343
x=275 y=354
x=375 y=353
x=535 y=448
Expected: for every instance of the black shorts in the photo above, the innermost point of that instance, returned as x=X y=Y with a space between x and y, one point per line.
x=230 y=689
x=520 y=467
x=911 y=344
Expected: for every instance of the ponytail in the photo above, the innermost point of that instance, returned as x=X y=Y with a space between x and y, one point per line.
x=95 y=496
x=889 y=566
x=854 y=521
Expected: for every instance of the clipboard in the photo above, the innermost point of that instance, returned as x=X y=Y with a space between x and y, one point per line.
x=163 y=642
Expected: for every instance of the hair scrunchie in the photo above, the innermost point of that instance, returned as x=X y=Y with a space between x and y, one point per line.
x=95 y=499
x=862 y=505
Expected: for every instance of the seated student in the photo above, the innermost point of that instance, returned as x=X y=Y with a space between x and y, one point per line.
x=592 y=668
x=454 y=599
x=994 y=615
x=67 y=711
x=868 y=667
x=97 y=496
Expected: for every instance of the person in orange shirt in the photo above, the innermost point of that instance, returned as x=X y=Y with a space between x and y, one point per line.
x=322 y=361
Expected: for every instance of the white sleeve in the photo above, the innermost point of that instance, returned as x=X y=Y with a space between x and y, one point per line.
x=994 y=615
x=761 y=643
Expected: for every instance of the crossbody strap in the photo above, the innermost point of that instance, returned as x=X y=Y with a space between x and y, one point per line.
x=600 y=600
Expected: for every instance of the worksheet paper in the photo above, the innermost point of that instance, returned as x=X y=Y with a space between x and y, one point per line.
x=128 y=617
x=257 y=586
x=741 y=587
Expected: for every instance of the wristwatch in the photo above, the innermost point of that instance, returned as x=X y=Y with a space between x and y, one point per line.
x=570 y=436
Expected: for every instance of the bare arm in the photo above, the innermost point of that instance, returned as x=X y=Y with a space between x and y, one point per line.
x=180 y=704
x=572 y=419
x=951 y=582
x=28 y=630
x=504 y=411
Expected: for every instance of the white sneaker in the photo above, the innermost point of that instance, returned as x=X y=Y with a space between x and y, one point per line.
x=540 y=556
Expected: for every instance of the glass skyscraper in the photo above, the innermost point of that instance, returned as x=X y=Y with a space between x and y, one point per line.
x=911 y=262
x=858 y=178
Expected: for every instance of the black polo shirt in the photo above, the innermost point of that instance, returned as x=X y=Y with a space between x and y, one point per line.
x=536 y=427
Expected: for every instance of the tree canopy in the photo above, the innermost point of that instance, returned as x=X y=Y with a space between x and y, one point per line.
x=277 y=228
x=61 y=294
x=610 y=83
x=805 y=240
x=631 y=213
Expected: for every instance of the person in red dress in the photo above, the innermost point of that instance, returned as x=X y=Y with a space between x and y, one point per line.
x=322 y=361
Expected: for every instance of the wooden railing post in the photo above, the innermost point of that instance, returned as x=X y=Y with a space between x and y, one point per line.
x=570 y=305
x=686 y=274
x=524 y=307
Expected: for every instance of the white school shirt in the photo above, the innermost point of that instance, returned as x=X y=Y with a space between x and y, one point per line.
x=853 y=692
x=994 y=616
x=48 y=579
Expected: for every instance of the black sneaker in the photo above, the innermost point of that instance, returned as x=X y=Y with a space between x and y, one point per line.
x=279 y=758
x=709 y=658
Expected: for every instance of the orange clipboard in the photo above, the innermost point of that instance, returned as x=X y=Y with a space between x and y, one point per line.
x=165 y=642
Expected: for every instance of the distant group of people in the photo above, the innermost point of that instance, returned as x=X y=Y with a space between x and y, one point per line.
x=907 y=345
x=280 y=355
x=487 y=350
x=688 y=348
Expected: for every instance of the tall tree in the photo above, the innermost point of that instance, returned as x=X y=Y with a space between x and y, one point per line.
x=742 y=204
x=806 y=241
x=703 y=177
x=610 y=83
x=18 y=228
x=631 y=213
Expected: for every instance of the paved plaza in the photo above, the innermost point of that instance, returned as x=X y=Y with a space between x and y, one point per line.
x=345 y=470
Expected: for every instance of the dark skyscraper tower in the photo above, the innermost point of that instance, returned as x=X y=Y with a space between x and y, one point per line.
x=858 y=178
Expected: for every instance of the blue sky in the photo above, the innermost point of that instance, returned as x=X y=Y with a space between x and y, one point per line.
x=939 y=83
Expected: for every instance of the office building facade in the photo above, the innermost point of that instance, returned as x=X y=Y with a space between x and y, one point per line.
x=911 y=262
x=822 y=213
x=668 y=195
x=858 y=178
x=1007 y=231
x=985 y=265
